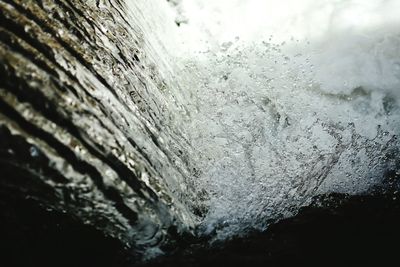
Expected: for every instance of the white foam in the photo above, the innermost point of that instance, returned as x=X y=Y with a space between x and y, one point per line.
x=293 y=98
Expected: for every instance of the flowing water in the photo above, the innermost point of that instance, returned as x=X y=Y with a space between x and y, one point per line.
x=288 y=100
x=150 y=119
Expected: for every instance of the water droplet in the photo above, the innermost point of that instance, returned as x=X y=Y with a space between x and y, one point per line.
x=34 y=151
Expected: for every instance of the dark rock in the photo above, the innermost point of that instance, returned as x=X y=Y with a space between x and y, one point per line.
x=337 y=230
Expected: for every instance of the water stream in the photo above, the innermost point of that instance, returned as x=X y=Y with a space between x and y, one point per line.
x=288 y=100
x=153 y=120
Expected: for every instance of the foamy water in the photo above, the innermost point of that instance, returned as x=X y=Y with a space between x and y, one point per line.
x=289 y=99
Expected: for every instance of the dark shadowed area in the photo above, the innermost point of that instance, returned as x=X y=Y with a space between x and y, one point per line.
x=356 y=231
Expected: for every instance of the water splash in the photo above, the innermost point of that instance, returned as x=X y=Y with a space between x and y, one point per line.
x=287 y=104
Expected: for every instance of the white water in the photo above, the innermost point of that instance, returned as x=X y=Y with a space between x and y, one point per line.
x=286 y=100
x=289 y=99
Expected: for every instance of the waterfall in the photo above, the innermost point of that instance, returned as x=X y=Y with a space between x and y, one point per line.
x=291 y=100
x=153 y=120
x=90 y=117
